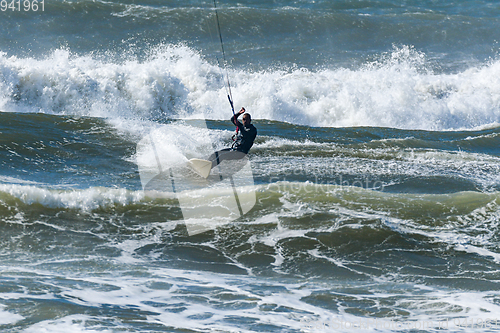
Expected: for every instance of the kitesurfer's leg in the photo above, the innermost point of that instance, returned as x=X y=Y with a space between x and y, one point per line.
x=227 y=154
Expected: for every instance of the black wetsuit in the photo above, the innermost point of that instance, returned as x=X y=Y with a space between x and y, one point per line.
x=245 y=137
x=244 y=141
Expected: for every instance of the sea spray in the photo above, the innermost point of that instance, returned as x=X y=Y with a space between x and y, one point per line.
x=400 y=90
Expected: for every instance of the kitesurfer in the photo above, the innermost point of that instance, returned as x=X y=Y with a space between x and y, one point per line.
x=245 y=136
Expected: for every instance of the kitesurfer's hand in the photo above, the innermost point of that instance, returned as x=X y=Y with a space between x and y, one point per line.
x=241 y=111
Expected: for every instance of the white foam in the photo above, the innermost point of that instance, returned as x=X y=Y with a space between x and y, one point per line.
x=87 y=199
x=186 y=296
x=13 y=180
x=9 y=318
x=72 y=323
x=276 y=142
x=399 y=90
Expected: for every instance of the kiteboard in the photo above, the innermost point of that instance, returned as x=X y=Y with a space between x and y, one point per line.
x=201 y=167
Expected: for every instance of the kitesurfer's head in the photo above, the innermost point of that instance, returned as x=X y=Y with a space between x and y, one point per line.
x=247 y=119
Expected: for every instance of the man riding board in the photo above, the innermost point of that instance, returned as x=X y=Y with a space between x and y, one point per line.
x=245 y=136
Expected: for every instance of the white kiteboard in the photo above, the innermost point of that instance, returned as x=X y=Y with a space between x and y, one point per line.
x=201 y=167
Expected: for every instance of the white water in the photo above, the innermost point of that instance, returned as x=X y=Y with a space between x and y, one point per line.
x=399 y=90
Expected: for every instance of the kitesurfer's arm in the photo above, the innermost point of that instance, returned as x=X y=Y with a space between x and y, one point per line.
x=234 y=119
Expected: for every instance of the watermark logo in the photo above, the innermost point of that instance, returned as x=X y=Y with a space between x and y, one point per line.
x=163 y=160
x=335 y=324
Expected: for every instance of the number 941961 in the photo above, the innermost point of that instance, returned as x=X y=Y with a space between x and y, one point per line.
x=22 y=5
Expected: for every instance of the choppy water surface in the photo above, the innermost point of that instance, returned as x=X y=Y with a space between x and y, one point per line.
x=375 y=170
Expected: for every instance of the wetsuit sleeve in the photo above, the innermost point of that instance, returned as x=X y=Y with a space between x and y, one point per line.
x=236 y=122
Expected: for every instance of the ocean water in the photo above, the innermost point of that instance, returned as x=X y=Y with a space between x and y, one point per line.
x=374 y=180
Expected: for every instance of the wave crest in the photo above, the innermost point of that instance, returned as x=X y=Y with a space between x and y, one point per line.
x=398 y=90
